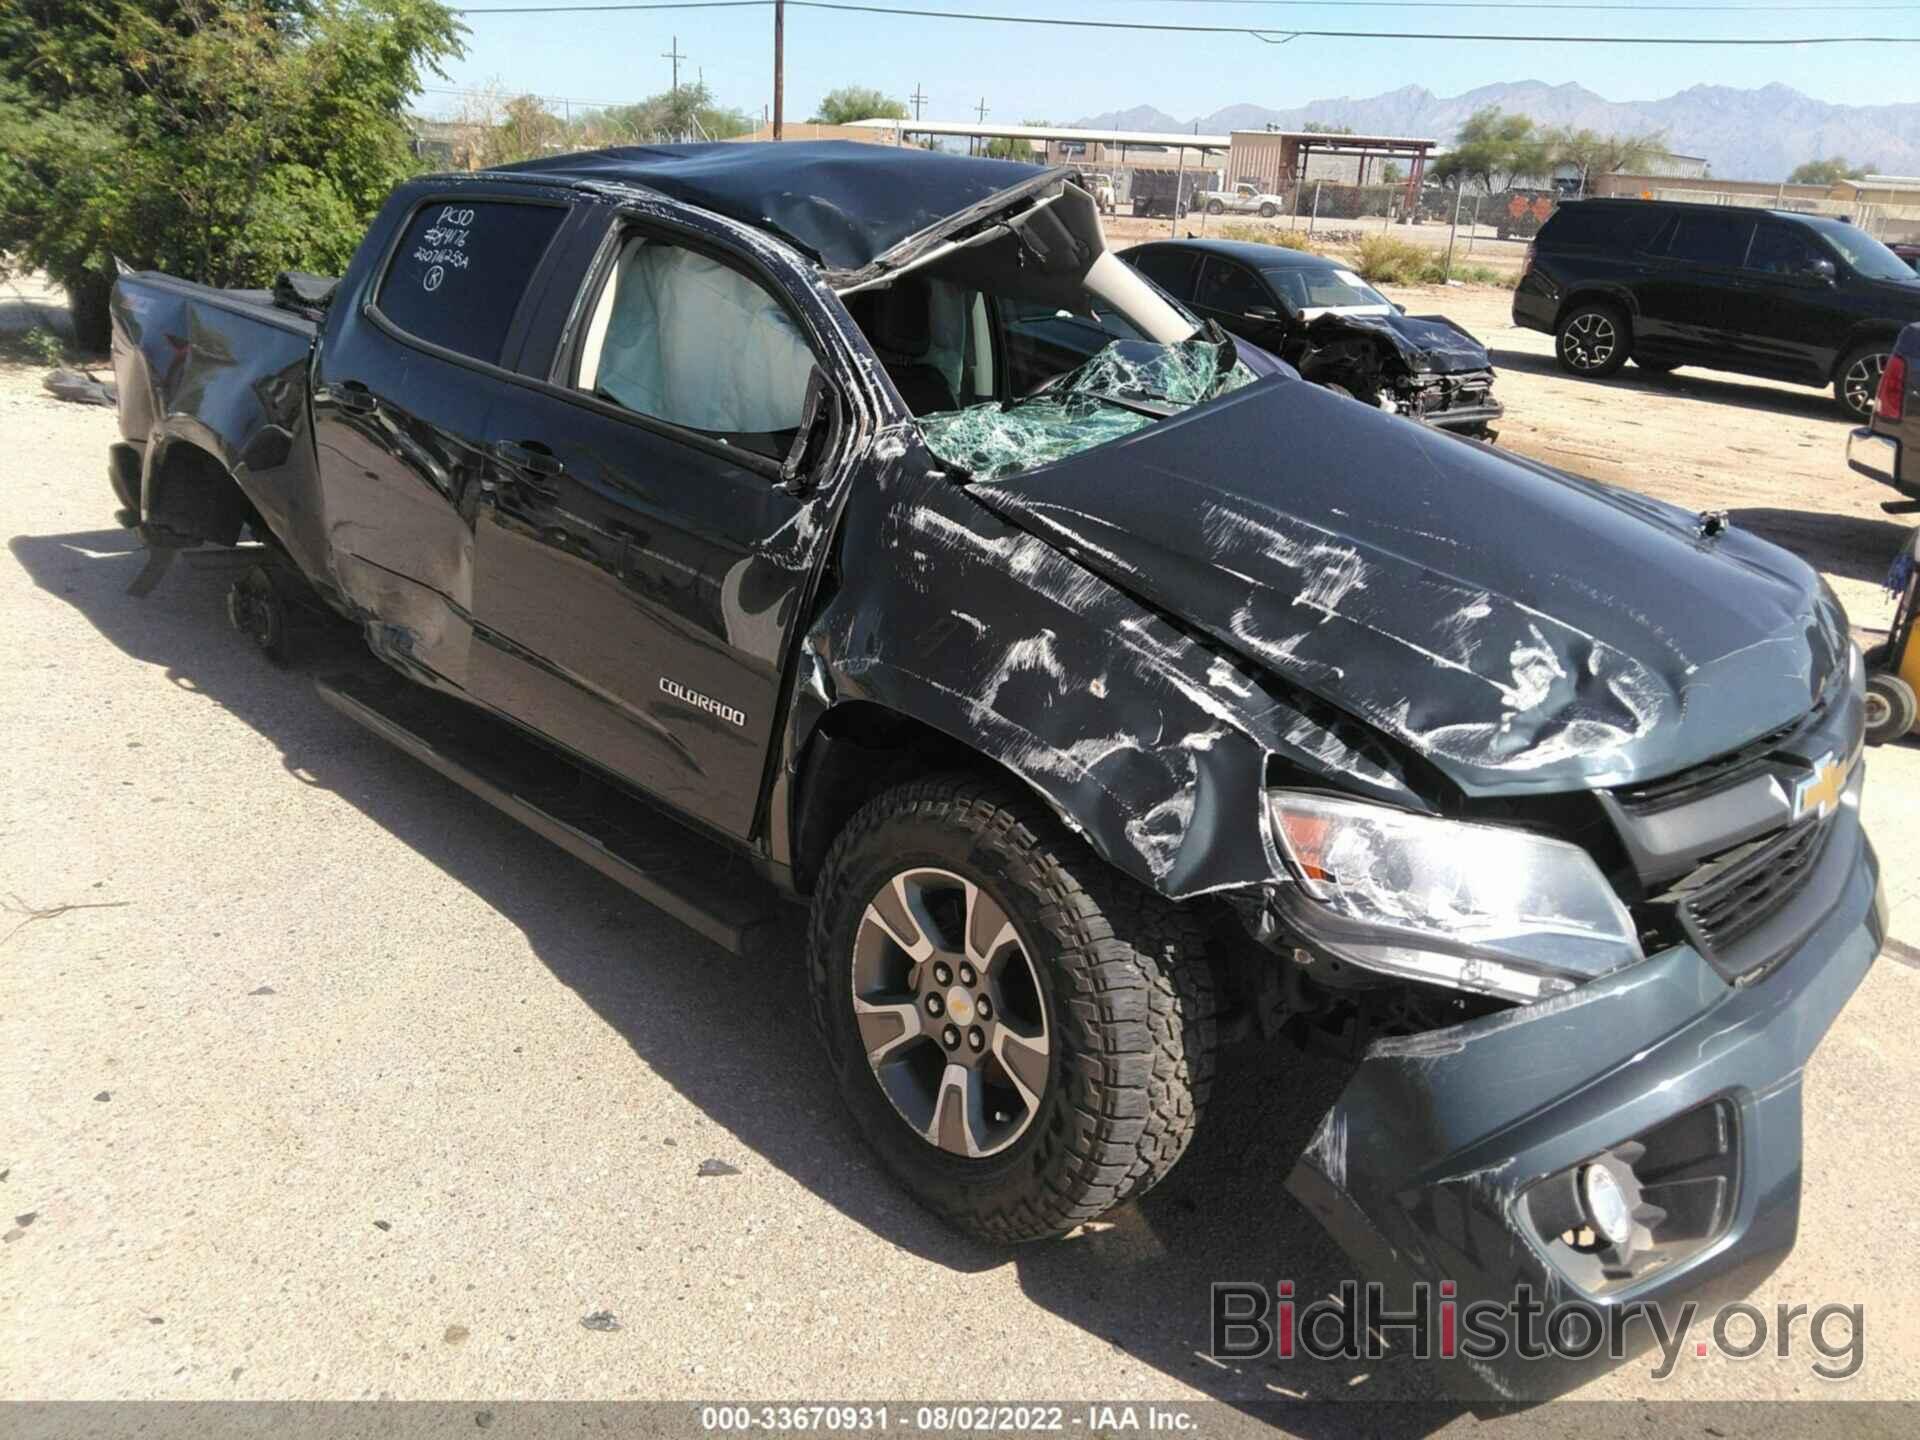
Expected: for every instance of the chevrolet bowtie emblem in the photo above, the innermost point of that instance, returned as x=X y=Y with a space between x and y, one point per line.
x=1820 y=792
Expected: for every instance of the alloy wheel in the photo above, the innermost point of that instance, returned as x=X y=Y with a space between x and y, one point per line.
x=950 y=1012
x=1862 y=382
x=1590 y=341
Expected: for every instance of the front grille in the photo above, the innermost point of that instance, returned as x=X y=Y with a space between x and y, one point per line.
x=1467 y=392
x=1720 y=772
x=1730 y=904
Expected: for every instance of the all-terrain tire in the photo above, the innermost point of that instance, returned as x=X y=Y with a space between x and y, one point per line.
x=1128 y=993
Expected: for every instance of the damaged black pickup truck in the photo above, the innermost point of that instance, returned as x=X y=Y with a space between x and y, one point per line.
x=1333 y=327
x=736 y=517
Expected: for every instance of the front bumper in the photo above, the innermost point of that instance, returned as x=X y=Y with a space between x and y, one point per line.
x=1468 y=418
x=1420 y=1169
x=1878 y=458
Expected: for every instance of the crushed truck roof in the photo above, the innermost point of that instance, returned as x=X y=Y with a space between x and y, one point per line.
x=842 y=202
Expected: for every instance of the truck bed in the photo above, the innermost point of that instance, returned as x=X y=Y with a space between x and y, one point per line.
x=214 y=383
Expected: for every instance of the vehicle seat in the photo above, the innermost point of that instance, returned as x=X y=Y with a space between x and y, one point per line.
x=898 y=321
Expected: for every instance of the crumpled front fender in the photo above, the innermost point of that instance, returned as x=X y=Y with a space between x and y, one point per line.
x=1151 y=744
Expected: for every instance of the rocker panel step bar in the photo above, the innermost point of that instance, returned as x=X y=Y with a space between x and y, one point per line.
x=697 y=881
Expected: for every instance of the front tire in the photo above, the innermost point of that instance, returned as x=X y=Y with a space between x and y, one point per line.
x=1591 y=341
x=1858 y=379
x=1079 y=1082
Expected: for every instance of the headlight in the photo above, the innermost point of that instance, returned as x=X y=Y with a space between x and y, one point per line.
x=1476 y=907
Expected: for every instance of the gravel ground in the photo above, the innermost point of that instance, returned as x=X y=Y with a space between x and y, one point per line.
x=321 y=1079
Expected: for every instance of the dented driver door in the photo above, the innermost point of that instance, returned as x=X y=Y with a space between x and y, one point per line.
x=637 y=566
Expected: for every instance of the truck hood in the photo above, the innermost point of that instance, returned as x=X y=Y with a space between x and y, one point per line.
x=1429 y=343
x=1523 y=629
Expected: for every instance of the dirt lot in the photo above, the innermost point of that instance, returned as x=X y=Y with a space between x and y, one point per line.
x=321 y=1079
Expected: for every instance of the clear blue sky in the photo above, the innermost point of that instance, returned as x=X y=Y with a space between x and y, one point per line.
x=1060 y=75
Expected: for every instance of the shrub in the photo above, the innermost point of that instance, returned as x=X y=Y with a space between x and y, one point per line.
x=221 y=140
x=1268 y=235
x=1389 y=260
x=43 y=345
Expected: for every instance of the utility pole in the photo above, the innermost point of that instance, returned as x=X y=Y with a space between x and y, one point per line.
x=918 y=99
x=779 y=67
x=978 y=143
x=676 y=57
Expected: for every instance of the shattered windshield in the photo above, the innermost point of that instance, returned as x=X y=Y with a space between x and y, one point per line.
x=1123 y=387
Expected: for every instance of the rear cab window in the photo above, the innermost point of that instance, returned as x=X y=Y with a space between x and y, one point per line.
x=461 y=268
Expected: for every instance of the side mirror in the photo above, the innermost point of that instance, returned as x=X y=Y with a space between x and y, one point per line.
x=819 y=404
x=1398 y=306
x=1822 y=269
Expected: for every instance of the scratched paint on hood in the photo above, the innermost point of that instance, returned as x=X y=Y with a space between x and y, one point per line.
x=1484 y=611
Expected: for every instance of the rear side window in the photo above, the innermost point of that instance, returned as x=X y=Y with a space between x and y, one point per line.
x=461 y=270
x=1171 y=270
x=1597 y=227
x=1711 y=239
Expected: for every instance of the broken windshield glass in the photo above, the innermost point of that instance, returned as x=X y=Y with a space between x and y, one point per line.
x=1121 y=388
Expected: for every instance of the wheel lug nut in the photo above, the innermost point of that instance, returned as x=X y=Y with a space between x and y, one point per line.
x=977 y=1038
x=933 y=1005
x=967 y=977
x=951 y=1035
x=985 y=1007
x=942 y=973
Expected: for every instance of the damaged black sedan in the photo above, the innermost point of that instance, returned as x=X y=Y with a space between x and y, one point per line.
x=1333 y=327
x=844 y=526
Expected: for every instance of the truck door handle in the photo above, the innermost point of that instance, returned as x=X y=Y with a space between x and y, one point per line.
x=354 y=396
x=529 y=455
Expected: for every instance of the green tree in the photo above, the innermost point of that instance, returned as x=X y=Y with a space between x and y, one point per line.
x=1593 y=154
x=857 y=102
x=1494 y=150
x=1325 y=127
x=221 y=140
x=1002 y=147
x=1827 y=172
x=688 y=113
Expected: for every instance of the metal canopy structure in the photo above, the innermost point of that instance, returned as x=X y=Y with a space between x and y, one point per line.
x=1150 y=141
x=1277 y=159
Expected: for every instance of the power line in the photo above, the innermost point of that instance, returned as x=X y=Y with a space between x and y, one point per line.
x=1636 y=5
x=1258 y=32
x=1292 y=33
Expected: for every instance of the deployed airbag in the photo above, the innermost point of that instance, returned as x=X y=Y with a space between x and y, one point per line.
x=696 y=343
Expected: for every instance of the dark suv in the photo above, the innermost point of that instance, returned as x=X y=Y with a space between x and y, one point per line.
x=1803 y=298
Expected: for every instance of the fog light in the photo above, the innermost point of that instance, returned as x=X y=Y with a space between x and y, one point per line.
x=1606 y=1204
